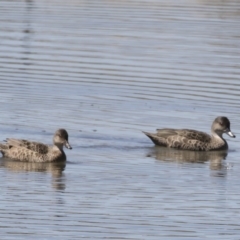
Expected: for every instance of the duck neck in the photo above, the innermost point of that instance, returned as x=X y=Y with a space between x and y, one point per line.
x=216 y=134
x=58 y=147
x=217 y=139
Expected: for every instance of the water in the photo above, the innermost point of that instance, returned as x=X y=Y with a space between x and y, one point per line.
x=105 y=71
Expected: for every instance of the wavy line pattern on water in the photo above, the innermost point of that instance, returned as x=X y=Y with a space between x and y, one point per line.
x=106 y=70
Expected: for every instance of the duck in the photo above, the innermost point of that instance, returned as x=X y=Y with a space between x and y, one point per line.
x=30 y=151
x=188 y=139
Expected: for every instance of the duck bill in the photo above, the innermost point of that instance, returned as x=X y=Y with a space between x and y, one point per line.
x=67 y=145
x=229 y=133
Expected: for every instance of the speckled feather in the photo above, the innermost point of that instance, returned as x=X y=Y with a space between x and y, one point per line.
x=185 y=133
x=188 y=139
x=199 y=143
x=24 y=154
x=34 y=146
x=24 y=150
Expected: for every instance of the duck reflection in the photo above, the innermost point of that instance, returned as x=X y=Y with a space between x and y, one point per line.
x=55 y=168
x=183 y=156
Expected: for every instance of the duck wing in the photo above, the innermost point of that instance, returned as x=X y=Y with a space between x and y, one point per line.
x=186 y=139
x=185 y=133
x=33 y=146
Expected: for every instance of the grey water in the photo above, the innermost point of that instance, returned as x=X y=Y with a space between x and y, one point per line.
x=106 y=71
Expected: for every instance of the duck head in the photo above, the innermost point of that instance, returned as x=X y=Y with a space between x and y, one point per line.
x=60 y=139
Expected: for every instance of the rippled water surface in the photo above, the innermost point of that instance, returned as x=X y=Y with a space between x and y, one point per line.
x=105 y=71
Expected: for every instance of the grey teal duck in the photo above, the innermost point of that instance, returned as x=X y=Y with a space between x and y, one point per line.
x=188 y=139
x=24 y=150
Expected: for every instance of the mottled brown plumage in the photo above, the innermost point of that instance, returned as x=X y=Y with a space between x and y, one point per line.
x=24 y=150
x=188 y=139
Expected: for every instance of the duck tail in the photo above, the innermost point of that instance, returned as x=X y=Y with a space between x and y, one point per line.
x=3 y=148
x=147 y=134
x=156 y=139
x=153 y=137
x=13 y=142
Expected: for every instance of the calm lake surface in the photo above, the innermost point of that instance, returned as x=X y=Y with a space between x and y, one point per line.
x=105 y=71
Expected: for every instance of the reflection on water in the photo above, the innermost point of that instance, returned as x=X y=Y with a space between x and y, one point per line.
x=112 y=69
x=55 y=169
x=215 y=158
x=181 y=156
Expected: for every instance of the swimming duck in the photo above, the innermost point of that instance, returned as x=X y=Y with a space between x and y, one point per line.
x=188 y=139
x=24 y=150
